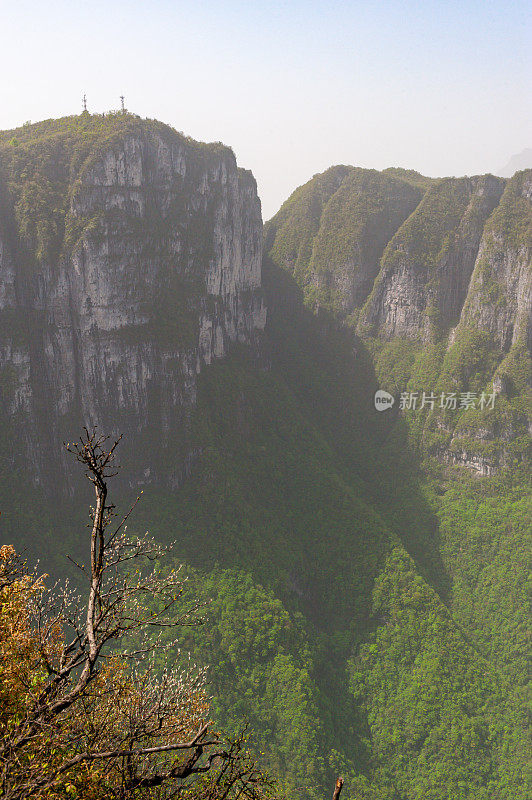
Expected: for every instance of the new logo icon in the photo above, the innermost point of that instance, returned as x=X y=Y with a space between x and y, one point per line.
x=383 y=400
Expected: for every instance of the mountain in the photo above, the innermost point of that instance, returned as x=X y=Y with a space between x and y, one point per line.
x=367 y=594
x=442 y=295
x=332 y=231
x=519 y=161
x=130 y=256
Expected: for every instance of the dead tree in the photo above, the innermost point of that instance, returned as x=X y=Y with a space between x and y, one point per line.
x=101 y=705
x=338 y=788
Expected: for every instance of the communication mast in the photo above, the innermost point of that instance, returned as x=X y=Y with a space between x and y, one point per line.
x=84 y=103
x=123 y=106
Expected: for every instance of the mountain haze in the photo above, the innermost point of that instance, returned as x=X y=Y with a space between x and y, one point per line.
x=519 y=161
x=365 y=572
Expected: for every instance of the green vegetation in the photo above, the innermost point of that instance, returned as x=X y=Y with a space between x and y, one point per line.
x=469 y=363
x=404 y=672
x=361 y=216
x=512 y=219
x=331 y=232
x=366 y=601
x=264 y=666
x=356 y=224
x=427 y=235
x=411 y=176
x=437 y=709
x=289 y=235
x=42 y=168
x=394 y=362
x=433 y=253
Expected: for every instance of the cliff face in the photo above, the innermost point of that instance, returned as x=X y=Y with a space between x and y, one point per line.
x=426 y=269
x=333 y=246
x=435 y=275
x=493 y=338
x=130 y=257
x=499 y=299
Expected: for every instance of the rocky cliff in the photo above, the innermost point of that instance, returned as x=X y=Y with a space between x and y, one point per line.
x=435 y=276
x=425 y=272
x=332 y=232
x=130 y=256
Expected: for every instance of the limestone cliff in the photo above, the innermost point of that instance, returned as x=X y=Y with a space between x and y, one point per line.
x=130 y=256
x=493 y=339
x=435 y=276
x=499 y=299
x=332 y=240
x=425 y=270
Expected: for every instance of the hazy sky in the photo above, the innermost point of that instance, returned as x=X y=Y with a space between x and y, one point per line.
x=293 y=87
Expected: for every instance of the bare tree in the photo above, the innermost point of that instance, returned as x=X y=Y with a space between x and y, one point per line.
x=100 y=709
x=338 y=788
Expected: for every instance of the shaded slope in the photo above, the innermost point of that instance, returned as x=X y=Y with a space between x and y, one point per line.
x=340 y=237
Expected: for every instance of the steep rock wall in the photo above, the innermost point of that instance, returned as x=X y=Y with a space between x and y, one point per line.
x=499 y=299
x=123 y=271
x=426 y=268
x=439 y=289
x=330 y=234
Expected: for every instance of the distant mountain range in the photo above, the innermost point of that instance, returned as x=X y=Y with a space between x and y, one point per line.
x=522 y=160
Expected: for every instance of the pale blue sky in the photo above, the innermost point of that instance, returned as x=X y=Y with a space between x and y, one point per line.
x=293 y=87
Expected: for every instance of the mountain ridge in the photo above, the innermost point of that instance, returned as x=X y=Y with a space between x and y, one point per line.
x=422 y=305
x=132 y=257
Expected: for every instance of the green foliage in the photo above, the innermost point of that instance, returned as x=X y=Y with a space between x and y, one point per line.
x=512 y=219
x=366 y=611
x=469 y=363
x=427 y=234
x=434 y=703
x=434 y=253
x=491 y=578
x=262 y=667
x=42 y=175
x=394 y=363
x=261 y=451
x=336 y=227
x=289 y=235
x=427 y=367
x=359 y=219
x=515 y=371
x=411 y=176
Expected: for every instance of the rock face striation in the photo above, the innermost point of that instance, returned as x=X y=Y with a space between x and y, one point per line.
x=436 y=277
x=499 y=300
x=332 y=232
x=426 y=269
x=130 y=257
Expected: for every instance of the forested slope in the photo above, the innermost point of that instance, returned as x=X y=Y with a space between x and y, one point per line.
x=367 y=598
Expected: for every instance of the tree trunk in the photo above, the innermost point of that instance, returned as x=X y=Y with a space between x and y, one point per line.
x=338 y=788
